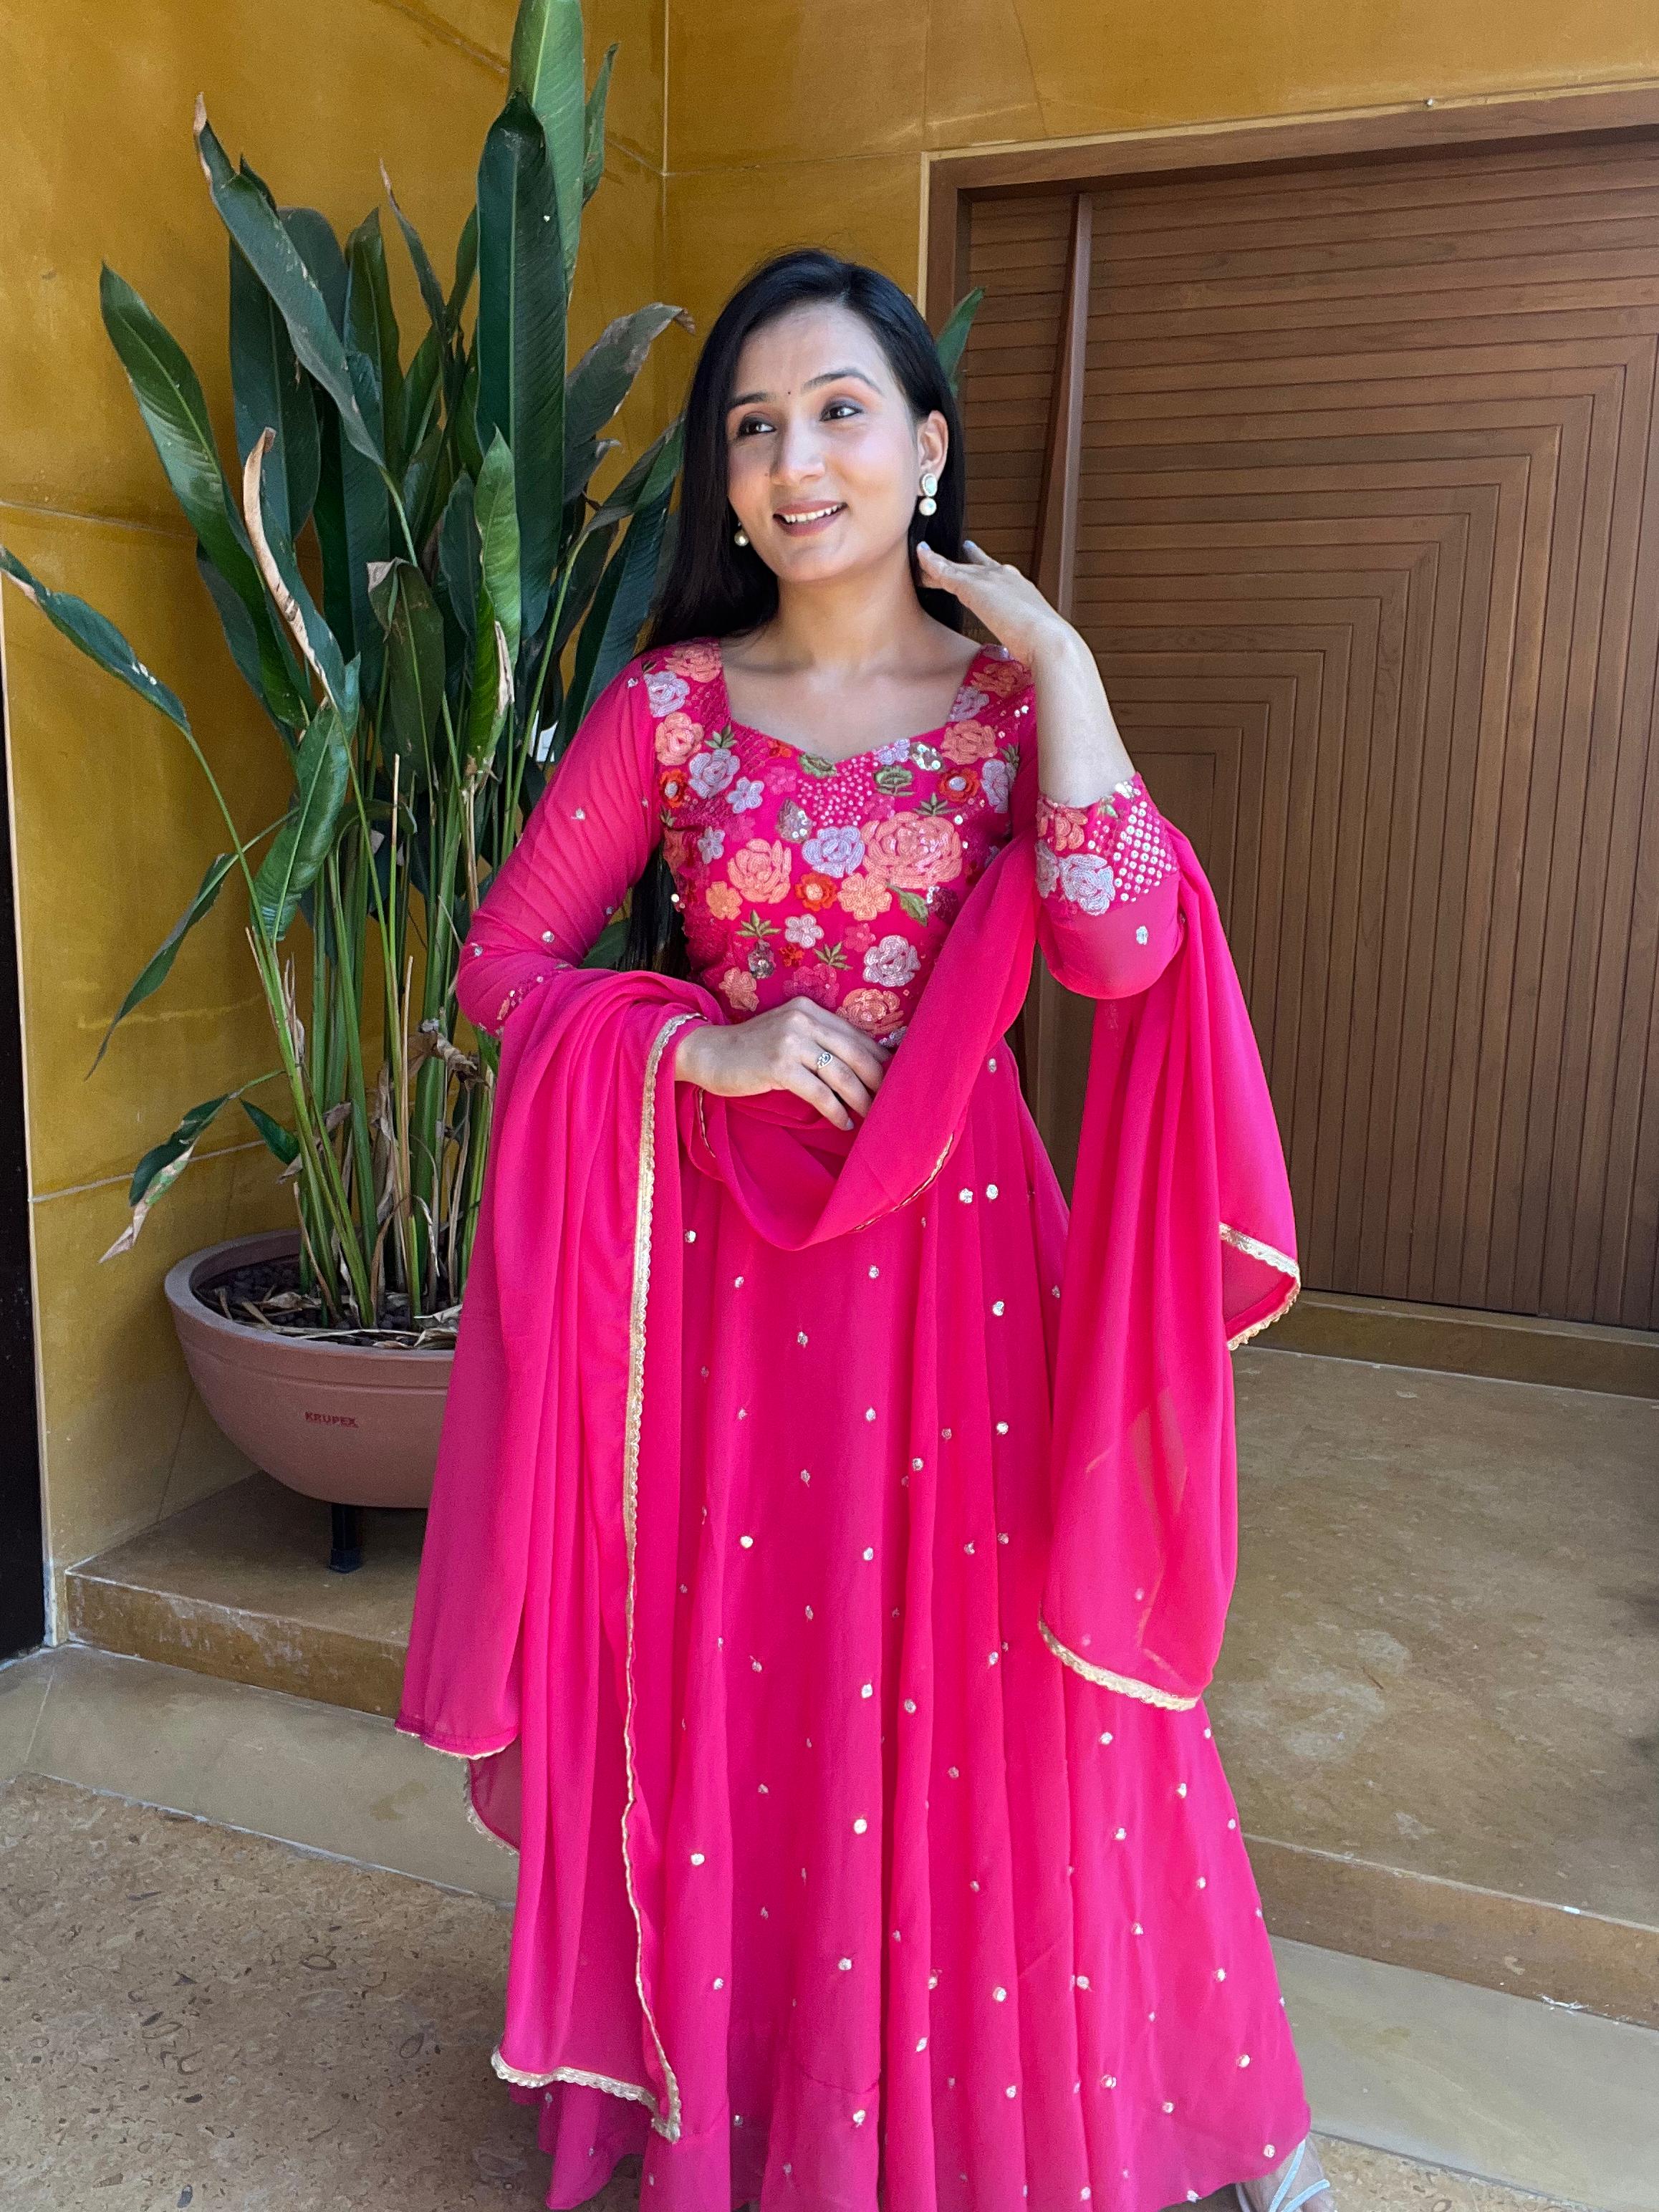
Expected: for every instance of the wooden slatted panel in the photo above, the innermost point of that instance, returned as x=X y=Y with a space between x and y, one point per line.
x=1369 y=549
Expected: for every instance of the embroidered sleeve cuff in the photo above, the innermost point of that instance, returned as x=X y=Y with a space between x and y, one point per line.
x=1102 y=855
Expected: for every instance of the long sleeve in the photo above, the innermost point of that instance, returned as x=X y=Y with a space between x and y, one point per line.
x=587 y=840
x=1107 y=881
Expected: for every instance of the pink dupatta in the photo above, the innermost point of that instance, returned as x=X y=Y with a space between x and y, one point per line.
x=549 y=1551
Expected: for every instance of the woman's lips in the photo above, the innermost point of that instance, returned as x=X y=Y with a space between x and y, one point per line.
x=817 y=518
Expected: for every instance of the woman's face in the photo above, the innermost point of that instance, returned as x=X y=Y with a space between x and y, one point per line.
x=818 y=422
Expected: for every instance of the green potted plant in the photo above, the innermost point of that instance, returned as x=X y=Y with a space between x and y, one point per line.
x=417 y=580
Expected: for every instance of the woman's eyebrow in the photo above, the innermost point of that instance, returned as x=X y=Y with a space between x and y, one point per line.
x=829 y=376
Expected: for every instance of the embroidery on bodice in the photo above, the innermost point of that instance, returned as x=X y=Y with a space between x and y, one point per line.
x=835 y=880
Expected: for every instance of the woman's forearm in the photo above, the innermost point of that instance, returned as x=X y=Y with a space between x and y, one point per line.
x=1080 y=754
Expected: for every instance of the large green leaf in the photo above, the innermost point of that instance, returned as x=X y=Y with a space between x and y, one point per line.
x=587 y=567
x=97 y=637
x=953 y=338
x=521 y=334
x=593 y=132
x=173 y=1153
x=260 y=647
x=460 y=571
x=372 y=335
x=413 y=630
x=325 y=648
x=624 y=597
x=466 y=268
x=426 y=276
x=283 y=1142
x=159 y=966
x=271 y=391
x=492 y=691
x=170 y=399
x=656 y=465
x=603 y=379
x=280 y=267
x=498 y=539
x=321 y=773
x=318 y=248
x=546 y=68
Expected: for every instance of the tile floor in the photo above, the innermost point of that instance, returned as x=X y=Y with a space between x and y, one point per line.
x=197 y=2016
x=310 y=1860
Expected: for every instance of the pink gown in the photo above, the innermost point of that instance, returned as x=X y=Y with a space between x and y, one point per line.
x=947 y=1924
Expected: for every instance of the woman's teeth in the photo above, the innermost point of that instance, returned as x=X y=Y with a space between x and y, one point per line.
x=799 y=518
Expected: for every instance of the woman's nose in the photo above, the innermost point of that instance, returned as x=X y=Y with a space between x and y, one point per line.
x=798 y=455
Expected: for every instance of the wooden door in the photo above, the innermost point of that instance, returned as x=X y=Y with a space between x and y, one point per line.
x=1367 y=540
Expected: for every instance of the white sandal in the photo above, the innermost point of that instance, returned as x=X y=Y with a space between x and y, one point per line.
x=1302 y=2166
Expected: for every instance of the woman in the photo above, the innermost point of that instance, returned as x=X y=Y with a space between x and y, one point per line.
x=824 y=1523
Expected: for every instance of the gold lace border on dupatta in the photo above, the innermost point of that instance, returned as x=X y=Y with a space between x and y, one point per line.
x=1127 y=1686
x=666 y=2124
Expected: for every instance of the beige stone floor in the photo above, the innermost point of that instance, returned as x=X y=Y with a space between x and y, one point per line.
x=194 y=2016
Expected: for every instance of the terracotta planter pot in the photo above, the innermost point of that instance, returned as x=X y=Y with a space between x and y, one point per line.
x=353 y=1424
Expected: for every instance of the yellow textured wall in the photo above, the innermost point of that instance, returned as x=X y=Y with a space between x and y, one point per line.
x=791 y=123
x=112 y=826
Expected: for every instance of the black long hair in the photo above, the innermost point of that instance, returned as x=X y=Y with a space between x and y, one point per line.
x=717 y=588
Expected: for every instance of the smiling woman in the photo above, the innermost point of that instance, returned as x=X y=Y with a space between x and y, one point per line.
x=821 y=1509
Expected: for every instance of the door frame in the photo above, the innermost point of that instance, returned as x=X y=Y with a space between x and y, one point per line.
x=951 y=181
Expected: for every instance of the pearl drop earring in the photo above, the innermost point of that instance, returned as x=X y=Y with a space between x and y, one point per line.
x=929 y=486
x=739 y=536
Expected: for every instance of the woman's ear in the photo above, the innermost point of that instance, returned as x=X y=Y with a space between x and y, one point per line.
x=933 y=441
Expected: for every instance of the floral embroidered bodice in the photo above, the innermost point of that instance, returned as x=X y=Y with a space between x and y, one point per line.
x=838 y=880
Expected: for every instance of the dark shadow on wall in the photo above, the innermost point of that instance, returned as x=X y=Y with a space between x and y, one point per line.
x=22 y=1561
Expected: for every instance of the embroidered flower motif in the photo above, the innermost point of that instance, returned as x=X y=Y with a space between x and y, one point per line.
x=666 y=691
x=869 y=1010
x=1087 y=880
x=865 y=896
x=968 y=702
x=675 y=786
x=886 y=756
x=761 y=871
x=678 y=738
x=1064 y=827
x=1047 y=869
x=710 y=846
x=801 y=929
x=816 y=891
x=723 y=901
x=793 y=821
x=894 y=960
x=858 y=937
x=911 y=851
x=814 y=982
x=959 y=785
x=710 y=772
x=835 y=851
x=745 y=794
x=694 y=659
x=968 y=741
x=1003 y=678
x=739 y=990
x=996 y=781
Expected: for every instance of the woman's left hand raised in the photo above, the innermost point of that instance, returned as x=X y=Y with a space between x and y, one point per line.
x=1003 y=598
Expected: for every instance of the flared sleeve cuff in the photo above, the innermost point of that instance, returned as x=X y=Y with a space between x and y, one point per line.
x=1108 y=890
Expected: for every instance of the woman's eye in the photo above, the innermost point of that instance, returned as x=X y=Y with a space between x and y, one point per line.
x=849 y=404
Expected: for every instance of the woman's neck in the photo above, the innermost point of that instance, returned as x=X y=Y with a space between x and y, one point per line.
x=850 y=629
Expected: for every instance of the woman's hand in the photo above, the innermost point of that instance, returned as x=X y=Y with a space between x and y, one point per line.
x=778 y=1051
x=1080 y=751
x=1003 y=598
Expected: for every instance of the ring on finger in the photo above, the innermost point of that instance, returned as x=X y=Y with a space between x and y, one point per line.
x=823 y=1059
